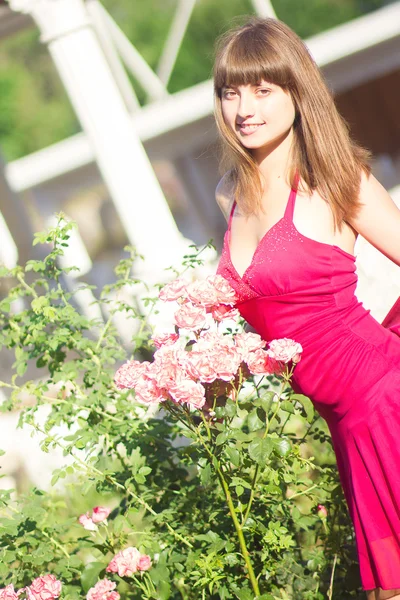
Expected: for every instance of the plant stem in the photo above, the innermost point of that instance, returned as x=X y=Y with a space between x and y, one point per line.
x=57 y=544
x=252 y=494
x=119 y=486
x=304 y=491
x=49 y=537
x=239 y=531
x=257 y=469
x=26 y=286
x=238 y=527
x=330 y=591
x=53 y=400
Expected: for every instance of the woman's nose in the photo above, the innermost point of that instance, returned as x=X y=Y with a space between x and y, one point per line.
x=246 y=106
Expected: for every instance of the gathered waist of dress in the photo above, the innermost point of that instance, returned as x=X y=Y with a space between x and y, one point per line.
x=332 y=338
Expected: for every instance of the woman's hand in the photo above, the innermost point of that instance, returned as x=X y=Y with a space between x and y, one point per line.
x=378 y=220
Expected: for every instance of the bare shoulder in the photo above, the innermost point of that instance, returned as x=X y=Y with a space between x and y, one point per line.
x=378 y=219
x=224 y=194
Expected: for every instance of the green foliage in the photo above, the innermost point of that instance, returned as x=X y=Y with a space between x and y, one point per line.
x=224 y=502
x=34 y=108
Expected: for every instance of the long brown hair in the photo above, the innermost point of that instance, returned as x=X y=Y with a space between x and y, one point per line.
x=323 y=154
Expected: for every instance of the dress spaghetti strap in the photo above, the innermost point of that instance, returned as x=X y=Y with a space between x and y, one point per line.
x=289 y=211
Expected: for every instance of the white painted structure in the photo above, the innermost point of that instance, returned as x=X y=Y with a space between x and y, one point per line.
x=91 y=53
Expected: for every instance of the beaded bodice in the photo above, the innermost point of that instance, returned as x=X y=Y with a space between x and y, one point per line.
x=299 y=288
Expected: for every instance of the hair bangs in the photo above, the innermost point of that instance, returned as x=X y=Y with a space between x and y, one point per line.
x=242 y=63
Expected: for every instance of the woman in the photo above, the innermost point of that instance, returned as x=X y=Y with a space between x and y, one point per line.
x=297 y=193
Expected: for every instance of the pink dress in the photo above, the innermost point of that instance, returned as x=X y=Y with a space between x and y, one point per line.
x=299 y=288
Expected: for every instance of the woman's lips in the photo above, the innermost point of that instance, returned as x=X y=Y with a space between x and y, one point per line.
x=251 y=128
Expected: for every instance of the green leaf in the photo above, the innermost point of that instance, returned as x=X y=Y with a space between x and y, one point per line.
x=39 y=303
x=239 y=481
x=5 y=305
x=21 y=368
x=230 y=408
x=145 y=471
x=233 y=455
x=282 y=447
x=266 y=401
x=245 y=594
x=260 y=449
x=231 y=559
x=90 y=574
x=163 y=590
x=205 y=474
x=119 y=523
x=254 y=423
x=239 y=489
x=221 y=438
x=306 y=404
x=287 y=406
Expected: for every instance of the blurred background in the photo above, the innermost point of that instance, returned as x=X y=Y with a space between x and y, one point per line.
x=106 y=114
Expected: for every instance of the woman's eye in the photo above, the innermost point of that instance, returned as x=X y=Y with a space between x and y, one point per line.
x=263 y=91
x=229 y=94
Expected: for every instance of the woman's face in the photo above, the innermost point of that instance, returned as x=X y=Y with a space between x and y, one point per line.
x=260 y=115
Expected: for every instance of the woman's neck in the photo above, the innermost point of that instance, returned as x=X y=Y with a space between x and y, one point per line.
x=274 y=161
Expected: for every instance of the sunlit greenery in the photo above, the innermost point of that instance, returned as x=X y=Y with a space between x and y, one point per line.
x=34 y=108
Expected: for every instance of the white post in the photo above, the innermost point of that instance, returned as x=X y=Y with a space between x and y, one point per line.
x=133 y=60
x=16 y=233
x=124 y=165
x=95 y=11
x=264 y=8
x=171 y=48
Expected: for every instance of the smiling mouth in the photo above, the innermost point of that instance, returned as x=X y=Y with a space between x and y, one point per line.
x=250 y=126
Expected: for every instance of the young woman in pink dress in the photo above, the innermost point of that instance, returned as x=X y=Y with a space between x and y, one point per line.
x=296 y=193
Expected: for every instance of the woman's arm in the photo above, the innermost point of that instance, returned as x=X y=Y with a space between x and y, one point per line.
x=378 y=220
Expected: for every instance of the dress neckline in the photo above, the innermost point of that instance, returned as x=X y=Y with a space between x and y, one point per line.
x=288 y=216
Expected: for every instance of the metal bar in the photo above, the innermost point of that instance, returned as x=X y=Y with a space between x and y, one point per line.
x=174 y=40
x=133 y=60
x=264 y=8
x=121 y=78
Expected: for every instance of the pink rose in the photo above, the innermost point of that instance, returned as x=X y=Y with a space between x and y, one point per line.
x=220 y=312
x=148 y=392
x=144 y=563
x=322 y=512
x=225 y=292
x=44 y=588
x=190 y=317
x=189 y=391
x=165 y=339
x=210 y=340
x=125 y=563
x=8 y=593
x=202 y=293
x=87 y=522
x=128 y=375
x=100 y=513
x=200 y=366
x=248 y=342
x=103 y=590
x=260 y=363
x=169 y=366
x=226 y=362
x=173 y=291
x=285 y=350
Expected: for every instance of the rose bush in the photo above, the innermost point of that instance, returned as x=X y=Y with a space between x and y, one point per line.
x=205 y=471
